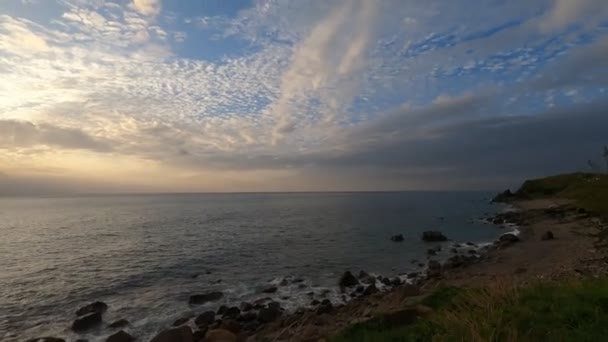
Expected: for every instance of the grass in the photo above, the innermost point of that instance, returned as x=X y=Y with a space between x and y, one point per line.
x=569 y=311
x=589 y=190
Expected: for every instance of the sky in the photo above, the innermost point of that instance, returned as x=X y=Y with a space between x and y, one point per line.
x=124 y=96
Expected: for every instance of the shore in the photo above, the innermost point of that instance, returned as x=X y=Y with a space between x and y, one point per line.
x=573 y=252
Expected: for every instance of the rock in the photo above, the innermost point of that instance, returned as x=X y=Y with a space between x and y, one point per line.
x=413 y=275
x=205 y=319
x=220 y=335
x=469 y=243
x=454 y=261
x=232 y=312
x=46 y=339
x=431 y=252
x=315 y=302
x=325 y=307
x=359 y=289
x=248 y=316
x=270 y=313
x=433 y=269
x=97 y=306
x=397 y=238
x=181 y=321
x=181 y=334
x=433 y=235
x=246 y=306
x=348 y=280
x=302 y=286
x=504 y=196
x=87 y=322
x=231 y=325
x=284 y=282
x=548 y=235
x=386 y=281
x=454 y=250
x=199 y=335
x=120 y=336
x=298 y=280
x=310 y=294
x=420 y=264
x=222 y=309
x=396 y=281
x=121 y=323
x=509 y=237
x=498 y=220
x=204 y=298
x=371 y=289
x=271 y=289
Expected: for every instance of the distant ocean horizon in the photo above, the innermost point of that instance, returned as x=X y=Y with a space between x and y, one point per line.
x=144 y=254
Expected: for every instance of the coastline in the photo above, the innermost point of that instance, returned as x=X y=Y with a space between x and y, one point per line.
x=573 y=253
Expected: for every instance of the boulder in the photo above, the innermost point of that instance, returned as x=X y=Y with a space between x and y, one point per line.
x=204 y=298
x=246 y=306
x=498 y=220
x=469 y=243
x=232 y=312
x=359 y=289
x=397 y=238
x=199 y=335
x=120 y=336
x=223 y=308
x=385 y=281
x=433 y=235
x=431 y=252
x=284 y=282
x=454 y=261
x=433 y=269
x=348 y=280
x=87 y=322
x=46 y=339
x=181 y=321
x=181 y=334
x=97 y=306
x=371 y=289
x=325 y=307
x=270 y=313
x=396 y=281
x=121 y=323
x=271 y=289
x=231 y=325
x=220 y=335
x=548 y=235
x=205 y=319
x=247 y=316
x=315 y=302
x=509 y=237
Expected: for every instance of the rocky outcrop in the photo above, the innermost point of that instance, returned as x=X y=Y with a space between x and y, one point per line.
x=433 y=236
x=504 y=196
x=120 y=336
x=87 y=322
x=371 y=289
x=204 y=298
x=348 y=280
x=97 y=306
x=397 y=238
x=181 y=334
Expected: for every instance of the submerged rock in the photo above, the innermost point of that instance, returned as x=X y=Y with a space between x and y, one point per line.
x=271 y=289
x=204 y=298
x=397 y=238
x=97 y=306
x=433 y=235
x=348 y=280
x=87 y=322
x=548 y=235
x=245 y=306
x=118 y=324
x=181 y=334
x=120 y=336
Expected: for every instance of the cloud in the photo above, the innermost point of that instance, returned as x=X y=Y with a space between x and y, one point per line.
x=17 y=134
x=568 y=12
x=147 y=7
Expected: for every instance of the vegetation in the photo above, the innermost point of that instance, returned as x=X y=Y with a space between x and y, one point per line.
x=573 y=311
x=589 y=190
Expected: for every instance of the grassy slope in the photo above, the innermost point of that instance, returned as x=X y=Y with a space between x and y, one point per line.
x=556 y=312
x=552 y=312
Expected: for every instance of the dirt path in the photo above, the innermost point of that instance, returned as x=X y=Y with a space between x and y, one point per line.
x=573 y=253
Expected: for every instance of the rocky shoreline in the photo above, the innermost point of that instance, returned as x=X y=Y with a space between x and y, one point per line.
x=251 y=320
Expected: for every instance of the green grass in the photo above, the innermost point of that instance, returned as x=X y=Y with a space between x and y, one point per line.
x=570 y=311
x=590 y=191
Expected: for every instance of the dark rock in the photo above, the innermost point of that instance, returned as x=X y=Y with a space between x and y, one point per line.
x=396 y=281
x=204 y=298
x=284 y=282
x=386 y=281
x=454 y=261
x=205 y=319
x=248 y=316
x=310 y=294
x=232 y=312
x=97 y=306
x=325 y=307
x=371 y=289
x=420 y=264
x=498 y=220
x=348 y=280
x=454 y=250
x=285 y=297
x=360 y=288
x=231 y=325
x=46 y=339
x=469 y=243
x=431 y=252
x=199 y=335
x=246 y=306
x=120 y=336
x=298 y=280
x=508 y=237
x=87 y=322
x=504 y=196
x=302 y=286
x=397 y=238
x=548 y=235
x=413 y=274
x=181 y=321
x=433 y=235
x=220 y=335
x=363 y=275
x=271 y=289
x=223 y=308
x=181 y=334
x=121 y=323
x=472 y=251
x=315 y=302
x=269 y=313
x=274 y=305
x=433 y=269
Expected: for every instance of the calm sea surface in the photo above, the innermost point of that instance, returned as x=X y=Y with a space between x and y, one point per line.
x=145 y=255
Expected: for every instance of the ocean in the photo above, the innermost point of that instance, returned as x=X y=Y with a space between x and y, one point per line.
x=144 y=255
